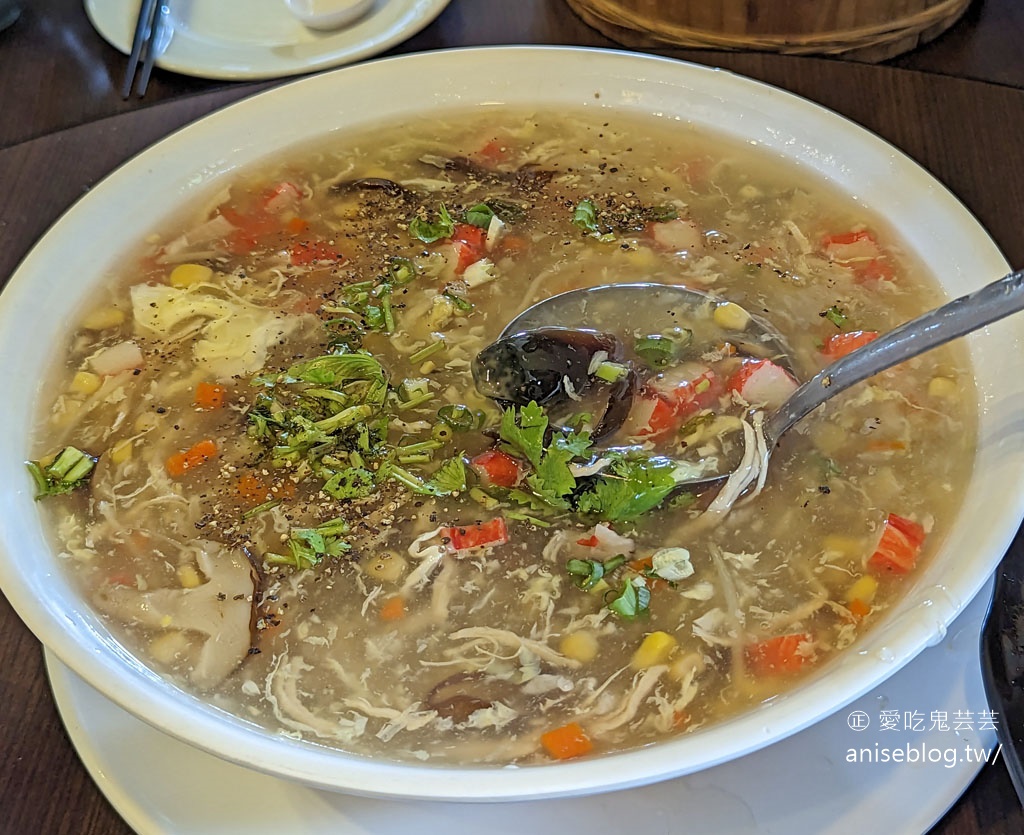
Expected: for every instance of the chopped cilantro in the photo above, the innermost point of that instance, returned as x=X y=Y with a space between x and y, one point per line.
x=628 y=488
x=449 y=478
x=337 y=368
x=633 y=601
x=551 y=478
x=584 y=216
x=835 y=315
x=307 y=547
x=430 y=231
x=523 y=431
x=350 y=483
x=480 y=215
x=660 y=214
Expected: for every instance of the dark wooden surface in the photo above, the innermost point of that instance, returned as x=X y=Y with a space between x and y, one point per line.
x=956 y=106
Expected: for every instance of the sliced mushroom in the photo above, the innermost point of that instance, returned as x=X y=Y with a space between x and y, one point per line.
x=219 y=612
x=388 y=187
x=552 y=366
x=461 y=695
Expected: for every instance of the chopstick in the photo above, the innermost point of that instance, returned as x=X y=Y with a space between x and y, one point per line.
x=144 y=48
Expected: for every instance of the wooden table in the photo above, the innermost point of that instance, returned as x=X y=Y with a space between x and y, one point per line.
x=955 y=105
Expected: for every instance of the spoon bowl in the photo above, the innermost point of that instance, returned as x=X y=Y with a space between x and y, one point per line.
x=646 y=308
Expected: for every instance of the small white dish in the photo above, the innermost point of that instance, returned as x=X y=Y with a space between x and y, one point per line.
x=145 y=774
x=327 y=14
x=236 y=40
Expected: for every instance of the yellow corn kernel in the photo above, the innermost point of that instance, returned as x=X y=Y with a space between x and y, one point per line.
x=166 y=621
x=686 y=666
x=185 y=275
x=731 y=317
x=388 y=567
x=167 y=648
x=863 y=589
x=189 y=577
x=581 y=646
x=655 y=649
x=348 y=209
x=848 y=546
x=85 y=382
x=442 y=309
x=428 y=367
x=643 y=256
x=121 y=451
x=104 y=318
x=146 y=421
x=69 y=412
x=943 y=387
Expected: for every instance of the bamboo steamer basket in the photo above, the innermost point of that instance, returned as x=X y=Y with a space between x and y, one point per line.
x=865 y=30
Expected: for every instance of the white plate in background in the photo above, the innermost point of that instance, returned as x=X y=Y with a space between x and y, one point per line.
x=249 y=39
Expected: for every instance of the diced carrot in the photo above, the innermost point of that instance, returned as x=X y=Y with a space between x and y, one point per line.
x=862 y=239
x=654 y=583
x=306 y=253
x=250 y=228
x=297 y=225
x=566 y=742
x=512 y=244
x=859 y=608
x=781 y=655
x=480 y=535
x=120 y=578
x=210 y=395
x=681 y=718
x=497 y=468
x=252 y=489
x=899 y=547
x=181 y=462
x=493 y=152
x=877 y=269
x=393 y=609
x=840 y=344
x=641 y=565
x=696 y=171
x=470 y=245
x=588 y=541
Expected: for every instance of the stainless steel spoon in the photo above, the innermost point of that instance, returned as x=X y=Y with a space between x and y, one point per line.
x=649 y=306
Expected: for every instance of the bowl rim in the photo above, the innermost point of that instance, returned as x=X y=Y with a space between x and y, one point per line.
x=629 y=81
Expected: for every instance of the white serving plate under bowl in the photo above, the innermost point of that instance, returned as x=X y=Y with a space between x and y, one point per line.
x=57 y=277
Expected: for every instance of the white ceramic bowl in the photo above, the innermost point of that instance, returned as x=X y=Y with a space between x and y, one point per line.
x=57 y=276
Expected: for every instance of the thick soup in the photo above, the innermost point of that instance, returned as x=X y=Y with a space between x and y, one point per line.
x=270 y=462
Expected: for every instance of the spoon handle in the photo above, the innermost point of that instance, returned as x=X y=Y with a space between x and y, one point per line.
x=960 y=316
